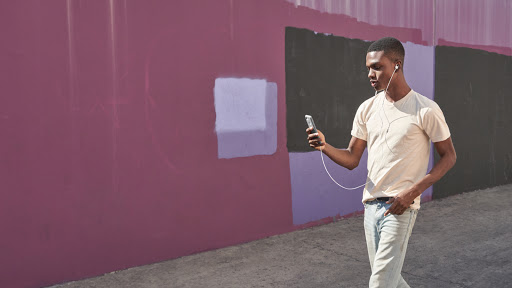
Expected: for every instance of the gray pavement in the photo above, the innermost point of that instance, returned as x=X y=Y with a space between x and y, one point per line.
x=459 y=241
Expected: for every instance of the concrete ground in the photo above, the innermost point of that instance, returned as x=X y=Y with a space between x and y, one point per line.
x=459 y=241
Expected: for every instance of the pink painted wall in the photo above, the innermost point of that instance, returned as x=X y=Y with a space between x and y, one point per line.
x=478 y=24
x=108 y=152
x=412 y=14
x=108 y=144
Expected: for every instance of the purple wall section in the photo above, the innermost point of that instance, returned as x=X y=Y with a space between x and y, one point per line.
x=109 y=156
x=315 y=196
x=419 y=72
x=419 y=68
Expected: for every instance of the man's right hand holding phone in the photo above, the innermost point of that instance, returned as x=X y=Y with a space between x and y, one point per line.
x=315 y=139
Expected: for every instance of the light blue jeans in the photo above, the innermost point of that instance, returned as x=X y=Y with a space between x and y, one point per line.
x=386 y=239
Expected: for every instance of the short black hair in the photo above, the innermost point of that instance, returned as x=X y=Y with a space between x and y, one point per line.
x=392 y=48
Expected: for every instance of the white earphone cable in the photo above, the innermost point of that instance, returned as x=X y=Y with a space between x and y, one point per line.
x=322 y=153
x=347 y=188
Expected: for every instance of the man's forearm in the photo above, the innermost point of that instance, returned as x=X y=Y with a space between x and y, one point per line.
x=342 y=157
x=438 y=171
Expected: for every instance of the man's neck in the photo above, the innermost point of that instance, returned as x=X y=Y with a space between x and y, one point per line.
x=398 y=92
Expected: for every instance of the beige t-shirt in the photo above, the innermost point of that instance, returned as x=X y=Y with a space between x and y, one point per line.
x=398 y=138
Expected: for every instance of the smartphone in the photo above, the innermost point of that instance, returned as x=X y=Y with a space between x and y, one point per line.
x=311 y=124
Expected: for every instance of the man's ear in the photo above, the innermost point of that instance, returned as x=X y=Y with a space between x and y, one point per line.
x=398 y=65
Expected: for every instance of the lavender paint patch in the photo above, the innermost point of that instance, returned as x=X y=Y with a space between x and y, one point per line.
x=315 y=196
x=419 y=68
x=246 y=117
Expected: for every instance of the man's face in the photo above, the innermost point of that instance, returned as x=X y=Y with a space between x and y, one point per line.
x=380 y=68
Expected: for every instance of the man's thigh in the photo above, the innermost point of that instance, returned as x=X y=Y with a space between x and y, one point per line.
x=394 y=233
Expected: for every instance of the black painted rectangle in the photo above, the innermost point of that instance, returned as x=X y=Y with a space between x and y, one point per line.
x=473 y=89
x=326 y=77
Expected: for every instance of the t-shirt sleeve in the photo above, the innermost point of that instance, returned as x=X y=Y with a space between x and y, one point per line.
x=435 y=125
x=359 y=125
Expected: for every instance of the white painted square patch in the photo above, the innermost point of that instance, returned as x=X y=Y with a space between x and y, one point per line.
x=246 y=117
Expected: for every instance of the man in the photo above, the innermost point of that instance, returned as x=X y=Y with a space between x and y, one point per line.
x=396 y=125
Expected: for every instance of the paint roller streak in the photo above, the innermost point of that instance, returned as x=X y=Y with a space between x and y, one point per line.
x=73 y=103
x=115 y=100
x=115 y=107
x=149 y=103
x=231 y=20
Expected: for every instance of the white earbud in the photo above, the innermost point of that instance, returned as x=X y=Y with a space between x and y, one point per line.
x=396 y=67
